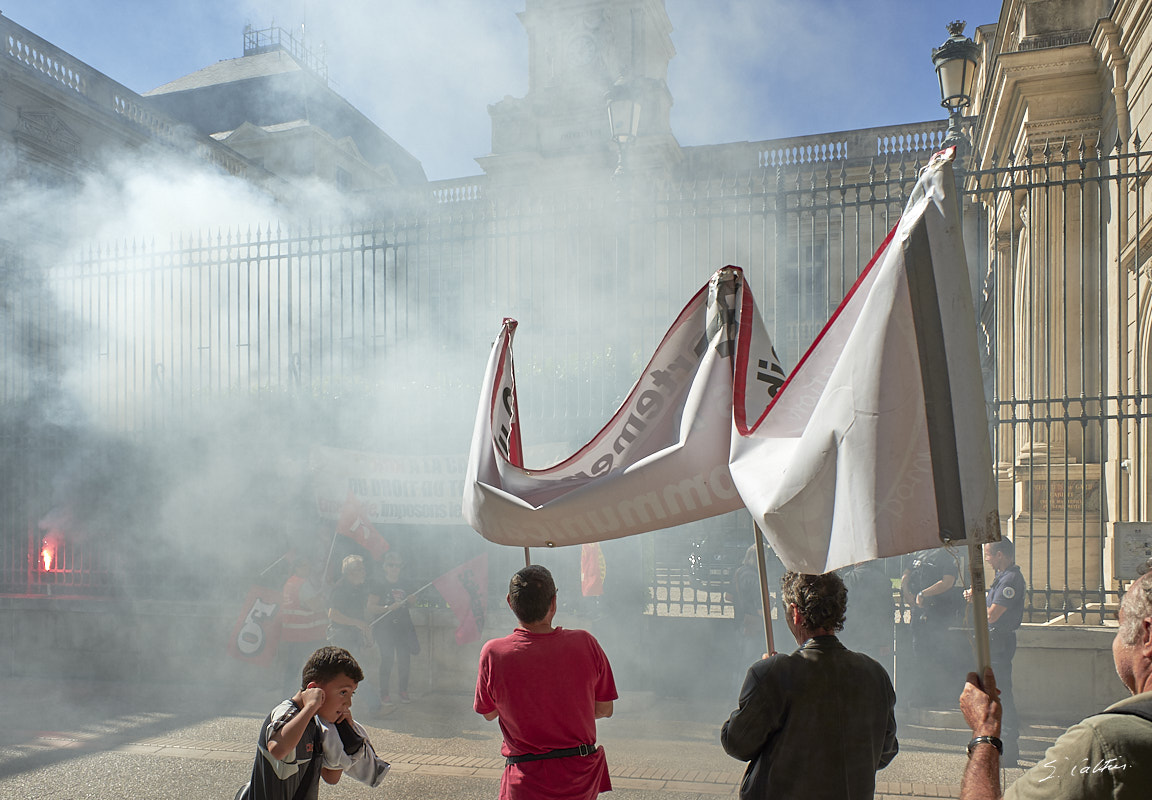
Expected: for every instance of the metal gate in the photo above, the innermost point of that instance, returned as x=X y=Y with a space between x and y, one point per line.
x=1063 y=321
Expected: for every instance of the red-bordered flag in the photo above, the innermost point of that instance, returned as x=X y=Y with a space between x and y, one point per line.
x=257 y=633
x=876 y=444
x=354 y=524
x=592 y=570
x=299 y=623
x=465 y=589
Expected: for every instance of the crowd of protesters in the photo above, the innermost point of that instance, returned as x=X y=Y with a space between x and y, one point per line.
x=366 y=615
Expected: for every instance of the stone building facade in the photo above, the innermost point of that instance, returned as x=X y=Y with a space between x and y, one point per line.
x=268 y=117
x=1054 y=233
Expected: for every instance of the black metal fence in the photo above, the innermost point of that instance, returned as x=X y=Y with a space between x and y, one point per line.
x=1064 y=315
x=353 y=335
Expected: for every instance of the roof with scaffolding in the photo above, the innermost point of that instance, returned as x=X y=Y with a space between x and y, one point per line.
x=278 y=81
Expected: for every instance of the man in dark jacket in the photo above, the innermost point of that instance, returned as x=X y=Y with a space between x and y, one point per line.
x=820 y=722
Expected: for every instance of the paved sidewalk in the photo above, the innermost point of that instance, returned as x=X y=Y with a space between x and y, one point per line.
x=113 y=741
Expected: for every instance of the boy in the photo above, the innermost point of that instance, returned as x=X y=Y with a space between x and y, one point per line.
x=289 y=761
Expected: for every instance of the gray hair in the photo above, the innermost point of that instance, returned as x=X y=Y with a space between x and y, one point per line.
x=1137 y=607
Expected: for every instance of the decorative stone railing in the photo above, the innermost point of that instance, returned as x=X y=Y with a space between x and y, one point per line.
x=844 y=147
x=54 y=64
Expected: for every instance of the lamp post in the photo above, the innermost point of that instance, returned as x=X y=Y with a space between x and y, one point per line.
x=623 y=118
x=955 y=63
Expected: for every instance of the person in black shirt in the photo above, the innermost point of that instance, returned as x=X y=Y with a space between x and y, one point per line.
x=870 y=624
x=932 y=587
x=347 y=623
x=395 y=634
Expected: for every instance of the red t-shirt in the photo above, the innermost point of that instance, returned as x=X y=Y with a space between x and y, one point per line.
x=544 y=686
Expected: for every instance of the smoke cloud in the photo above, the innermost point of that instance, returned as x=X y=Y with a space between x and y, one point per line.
x=198 y=495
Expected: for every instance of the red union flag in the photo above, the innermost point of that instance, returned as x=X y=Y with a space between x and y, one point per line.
x=257 y=633
x=354 y=524
x=876 y=445
x=592 y=569
x=465 y=589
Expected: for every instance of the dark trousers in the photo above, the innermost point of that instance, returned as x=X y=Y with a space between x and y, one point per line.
x=937 y=666
x=393 y=645
x=1001 y=648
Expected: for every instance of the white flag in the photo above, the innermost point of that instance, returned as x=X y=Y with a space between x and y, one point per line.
x=847 y=460
x=877 y=445
x=662 y=459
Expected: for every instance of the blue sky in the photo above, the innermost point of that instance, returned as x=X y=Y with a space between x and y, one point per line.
x=426 y=70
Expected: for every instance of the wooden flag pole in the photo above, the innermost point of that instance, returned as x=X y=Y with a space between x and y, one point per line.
x=406 y=599
x=274 y=563
x=979 y=607
x=765 y=599
x=331 y=547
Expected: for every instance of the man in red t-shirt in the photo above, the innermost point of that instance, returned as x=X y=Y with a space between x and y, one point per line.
x=547 y=686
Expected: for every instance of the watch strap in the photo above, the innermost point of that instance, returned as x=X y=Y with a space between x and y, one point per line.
x=992 y=740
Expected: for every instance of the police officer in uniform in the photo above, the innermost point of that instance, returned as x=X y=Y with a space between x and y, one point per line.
x=931 y=587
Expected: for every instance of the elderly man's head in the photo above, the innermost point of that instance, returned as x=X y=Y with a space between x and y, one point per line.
x=1132 y=647
x=821 y=600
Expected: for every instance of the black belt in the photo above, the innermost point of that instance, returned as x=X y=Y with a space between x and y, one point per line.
x=582 y=750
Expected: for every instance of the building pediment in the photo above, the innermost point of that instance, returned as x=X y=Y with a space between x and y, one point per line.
x=47 y=130
x=245 y=133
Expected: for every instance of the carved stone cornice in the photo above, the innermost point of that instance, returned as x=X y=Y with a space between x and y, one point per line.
x=1070 y=129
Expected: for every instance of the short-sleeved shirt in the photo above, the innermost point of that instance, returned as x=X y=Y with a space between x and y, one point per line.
x=273 y=779
x=1107 y=755
x=929 y=567
x=545 y=687
x=1007 y=591
x=351 y=600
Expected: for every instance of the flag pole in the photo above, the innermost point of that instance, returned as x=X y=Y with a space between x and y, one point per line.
x=406 y=599
x=943 y=448
x=274 y=563
x=979 y=607
x=331 y=547
x=765 y=599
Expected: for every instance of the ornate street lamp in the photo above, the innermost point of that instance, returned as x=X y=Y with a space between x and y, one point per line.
x=955 y=62
x=623 y=117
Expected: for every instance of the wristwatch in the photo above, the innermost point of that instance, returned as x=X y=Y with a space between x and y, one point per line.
x=992 y=740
